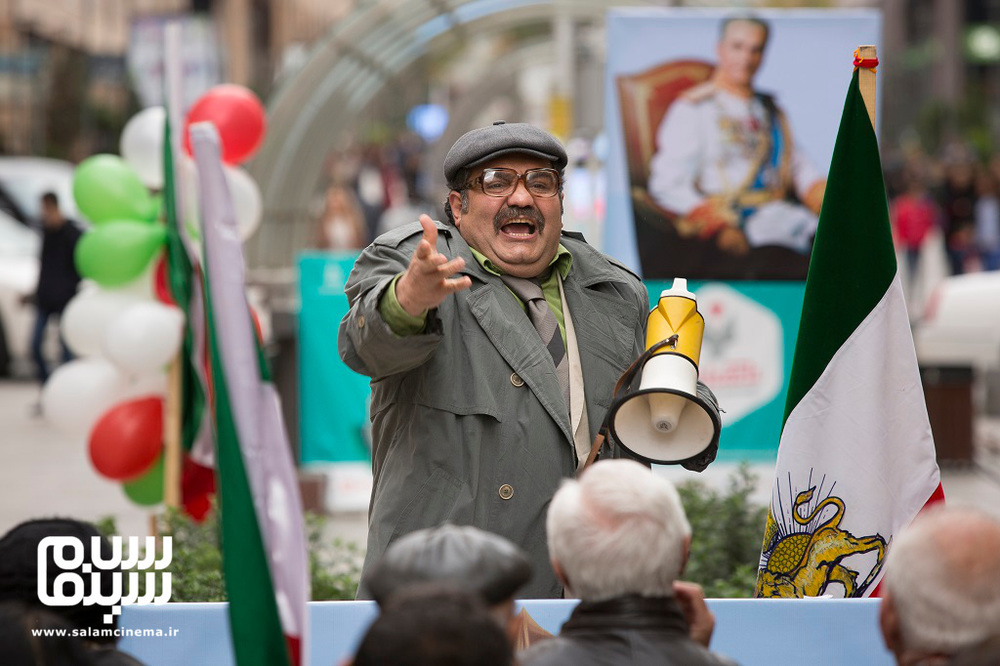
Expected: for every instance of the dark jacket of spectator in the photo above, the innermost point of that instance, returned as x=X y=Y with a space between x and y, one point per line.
x=58 y=277
x=625 y=631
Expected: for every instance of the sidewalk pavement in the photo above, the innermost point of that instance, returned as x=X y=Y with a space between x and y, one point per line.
x=44 y=474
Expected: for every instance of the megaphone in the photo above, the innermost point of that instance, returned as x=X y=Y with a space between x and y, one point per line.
x=669 y=418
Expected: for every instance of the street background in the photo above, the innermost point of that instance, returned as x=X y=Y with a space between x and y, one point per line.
x=363 y=100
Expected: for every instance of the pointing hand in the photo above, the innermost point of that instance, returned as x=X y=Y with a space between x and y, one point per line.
x=429 y=277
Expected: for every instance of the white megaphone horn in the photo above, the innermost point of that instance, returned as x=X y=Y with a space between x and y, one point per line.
x=669 y=418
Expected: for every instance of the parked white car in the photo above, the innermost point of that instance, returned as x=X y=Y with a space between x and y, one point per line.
x=23 y=181
x=19 y=251
x=960 y=325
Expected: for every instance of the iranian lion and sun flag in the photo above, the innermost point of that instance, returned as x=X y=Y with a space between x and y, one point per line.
x=856 y=460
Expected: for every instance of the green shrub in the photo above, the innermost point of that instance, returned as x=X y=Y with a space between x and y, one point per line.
x=335 y=567
x=725 y=548
x=726 y=530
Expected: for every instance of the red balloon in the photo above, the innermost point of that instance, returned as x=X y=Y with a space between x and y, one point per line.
x=238 y=116
x=127 y=439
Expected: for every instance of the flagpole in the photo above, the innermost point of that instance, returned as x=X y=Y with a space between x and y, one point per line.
x=866 y=80
x=172 y=437
x=172 y=448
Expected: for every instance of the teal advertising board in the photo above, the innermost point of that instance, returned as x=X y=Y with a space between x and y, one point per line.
x=333 y=399
x=746 y=358
x=750 y=331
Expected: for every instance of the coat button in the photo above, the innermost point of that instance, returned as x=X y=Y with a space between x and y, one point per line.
x=516 y=380
x=506 y=491
x=361 y=321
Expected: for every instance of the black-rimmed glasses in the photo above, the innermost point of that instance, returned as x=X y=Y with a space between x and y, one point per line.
x=501 y=182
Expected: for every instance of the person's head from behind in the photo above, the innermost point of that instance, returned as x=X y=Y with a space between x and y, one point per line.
x=19 y=570
x=32 y=636
x=618 y=530
x=52 y=217
x=506 y=183
x=434 y=625
x=465 y=557
x=740 y=51
x=941 y=588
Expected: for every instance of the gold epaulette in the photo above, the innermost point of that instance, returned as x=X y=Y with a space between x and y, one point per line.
x=699 y=93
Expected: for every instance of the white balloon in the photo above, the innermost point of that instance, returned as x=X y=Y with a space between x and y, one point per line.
x=247 y=202
x=142 y=145
x=248 y=205
x=79 y=392
x=142 y=286
x=144 y=338
x=87 y=316
x=147 y=386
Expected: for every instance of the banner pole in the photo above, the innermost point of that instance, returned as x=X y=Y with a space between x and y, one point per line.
x=866 y=81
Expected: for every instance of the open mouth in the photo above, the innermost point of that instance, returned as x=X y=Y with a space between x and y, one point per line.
x=519 y=229
x=518 y=222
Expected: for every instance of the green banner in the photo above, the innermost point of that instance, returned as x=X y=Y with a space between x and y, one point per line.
x=333 y=399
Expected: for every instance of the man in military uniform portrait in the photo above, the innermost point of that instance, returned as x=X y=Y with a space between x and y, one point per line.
x=739 y=197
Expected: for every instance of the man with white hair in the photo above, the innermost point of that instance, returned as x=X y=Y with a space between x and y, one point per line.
x=941 y=589
x=619 y=540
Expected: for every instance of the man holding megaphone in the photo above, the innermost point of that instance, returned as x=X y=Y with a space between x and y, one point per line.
x=494 y=342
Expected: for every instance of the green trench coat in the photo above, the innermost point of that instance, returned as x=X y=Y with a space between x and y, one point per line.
x=468 y=420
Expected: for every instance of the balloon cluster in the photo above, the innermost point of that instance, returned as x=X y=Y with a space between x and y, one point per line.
x=123 y=325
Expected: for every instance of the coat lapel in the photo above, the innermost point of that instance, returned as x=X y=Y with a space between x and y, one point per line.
x=602 y=329
x=507 y=326
x=509 y=330
x=602 y=322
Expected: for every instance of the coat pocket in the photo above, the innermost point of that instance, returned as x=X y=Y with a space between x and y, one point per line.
x=461 y=394
x=434 y=499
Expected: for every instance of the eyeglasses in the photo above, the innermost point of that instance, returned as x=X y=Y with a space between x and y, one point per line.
x=502 y=182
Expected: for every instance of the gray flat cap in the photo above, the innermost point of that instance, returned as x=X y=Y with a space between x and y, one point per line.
x=500 y=138
x=469 y=558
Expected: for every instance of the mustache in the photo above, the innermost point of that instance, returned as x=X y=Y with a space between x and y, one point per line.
x=508 y=213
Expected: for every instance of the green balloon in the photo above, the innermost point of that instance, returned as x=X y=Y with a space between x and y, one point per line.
x=107 y=188
x=117 y=252
x=147 y=490
x=158 y=206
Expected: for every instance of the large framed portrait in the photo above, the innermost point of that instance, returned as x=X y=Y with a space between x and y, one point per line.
x=721 y=127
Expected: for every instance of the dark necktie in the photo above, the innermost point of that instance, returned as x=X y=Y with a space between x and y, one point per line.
x=544 y=321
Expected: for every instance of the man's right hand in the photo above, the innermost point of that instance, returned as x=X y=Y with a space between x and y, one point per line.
x=701 y=621
x=428 y=279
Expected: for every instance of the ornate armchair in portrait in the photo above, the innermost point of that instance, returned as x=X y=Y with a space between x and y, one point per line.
x=644 y=99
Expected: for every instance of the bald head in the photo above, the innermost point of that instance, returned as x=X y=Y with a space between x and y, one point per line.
x=942 y=583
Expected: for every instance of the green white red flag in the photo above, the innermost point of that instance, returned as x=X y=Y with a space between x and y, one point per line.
x=264 y=555
x=856 y=460
x=180 y=283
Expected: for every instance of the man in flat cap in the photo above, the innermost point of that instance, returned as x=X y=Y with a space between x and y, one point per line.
x=462 y=556
x=493 y=342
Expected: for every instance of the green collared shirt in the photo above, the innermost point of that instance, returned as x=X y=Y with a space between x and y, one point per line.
x=403 y=323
